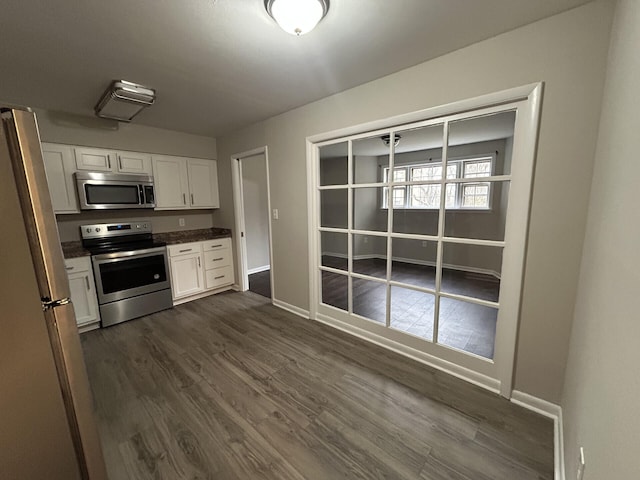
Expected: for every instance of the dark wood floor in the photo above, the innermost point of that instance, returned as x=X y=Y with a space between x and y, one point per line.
x=231 y=387
x=462 y=325
x=260 y=283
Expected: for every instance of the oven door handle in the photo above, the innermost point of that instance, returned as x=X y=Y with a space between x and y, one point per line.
x=132 y=253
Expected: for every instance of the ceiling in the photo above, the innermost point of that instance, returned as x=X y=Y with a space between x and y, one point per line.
x=219 y=65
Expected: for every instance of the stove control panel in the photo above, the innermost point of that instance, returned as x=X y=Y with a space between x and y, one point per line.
x=105 y=230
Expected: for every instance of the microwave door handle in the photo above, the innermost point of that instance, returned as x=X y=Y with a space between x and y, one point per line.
x=140 y=195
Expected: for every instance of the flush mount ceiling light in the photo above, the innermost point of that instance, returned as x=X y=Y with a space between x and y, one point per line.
x=124 y=100
x=386 y=139
x=297 y=17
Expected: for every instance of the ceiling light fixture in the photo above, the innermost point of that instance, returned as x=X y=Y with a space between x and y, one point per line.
x=386 y=139
x=297 y=17
x=124 y=100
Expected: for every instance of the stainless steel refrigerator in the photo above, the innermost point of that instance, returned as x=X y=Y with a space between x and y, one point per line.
x=47 y=425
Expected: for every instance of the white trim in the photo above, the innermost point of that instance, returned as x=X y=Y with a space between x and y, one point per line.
x=238 y=211
x=301 y=312
x=457 y=371
x=263 y=268
x=550 y=410
x=476 y=103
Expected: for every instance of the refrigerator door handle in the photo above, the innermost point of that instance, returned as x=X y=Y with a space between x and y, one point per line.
x=49 y=304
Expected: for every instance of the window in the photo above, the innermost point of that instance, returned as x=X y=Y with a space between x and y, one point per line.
x=474 y=195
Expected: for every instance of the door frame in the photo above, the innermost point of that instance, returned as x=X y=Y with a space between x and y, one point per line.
x=530 y=99
x=238 y=210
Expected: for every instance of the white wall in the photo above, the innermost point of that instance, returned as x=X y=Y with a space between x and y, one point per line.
x=256 y=210
x=601 y=399
x=567 y=52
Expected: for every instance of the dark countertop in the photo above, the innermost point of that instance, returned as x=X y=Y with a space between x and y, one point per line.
x=186 y=236
x=75 y=249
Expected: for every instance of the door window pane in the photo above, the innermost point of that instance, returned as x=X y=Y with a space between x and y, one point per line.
x=370 y=255
x=367 y=211
x=412 y=312
x=370 y=299
x=334 y=250
x=467 y=326
x=334 y=208
x=335 y=290
x=414 y=262
x=334 y=164
x=485 y=224
x=472 y=270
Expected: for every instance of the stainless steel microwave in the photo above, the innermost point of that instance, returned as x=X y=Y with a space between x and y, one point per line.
x=100 y=191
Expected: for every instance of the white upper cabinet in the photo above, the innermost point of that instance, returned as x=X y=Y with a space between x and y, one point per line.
x=171 y=182
x=134 y=163
x=185 y=183
x=114 y=161
x=59 y=166
x=95 y=159
x=203 y=183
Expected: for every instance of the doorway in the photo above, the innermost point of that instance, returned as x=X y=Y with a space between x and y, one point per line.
x=250 y=172
x=418 y=232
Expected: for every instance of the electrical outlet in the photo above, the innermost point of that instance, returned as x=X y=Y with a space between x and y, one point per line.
x=181 y=222
x=275 y=214
x=581 y=465
x=424 y=243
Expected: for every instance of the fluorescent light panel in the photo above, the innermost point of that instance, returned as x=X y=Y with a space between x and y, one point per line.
x=124 y=100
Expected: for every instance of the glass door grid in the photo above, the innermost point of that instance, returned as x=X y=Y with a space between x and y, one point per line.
x=351 y=278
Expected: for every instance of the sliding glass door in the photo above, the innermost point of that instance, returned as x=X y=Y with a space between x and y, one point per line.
x=419 y=240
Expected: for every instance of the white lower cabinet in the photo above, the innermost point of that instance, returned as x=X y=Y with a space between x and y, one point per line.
x=200 y=268
x=186 y=271
x=83 y=293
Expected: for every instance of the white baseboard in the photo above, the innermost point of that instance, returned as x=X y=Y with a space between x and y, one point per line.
x=301 y=312
x=197 y=296
x=550 y=410
x=263 y=268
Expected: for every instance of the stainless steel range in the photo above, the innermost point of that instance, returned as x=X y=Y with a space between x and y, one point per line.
x=130 y=269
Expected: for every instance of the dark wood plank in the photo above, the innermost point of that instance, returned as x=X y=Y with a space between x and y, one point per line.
x=231 y=387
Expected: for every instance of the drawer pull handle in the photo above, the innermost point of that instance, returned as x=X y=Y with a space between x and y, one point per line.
x=216 y=246
x=86 y=279
x=69 y=268
x=218 y=278
x=218 y=259
x=186 y=250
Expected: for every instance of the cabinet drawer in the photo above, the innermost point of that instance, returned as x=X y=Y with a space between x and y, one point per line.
x=78 y=264
x=183 y=249
x=217 y=258
x=217 y=277
x=216 y=244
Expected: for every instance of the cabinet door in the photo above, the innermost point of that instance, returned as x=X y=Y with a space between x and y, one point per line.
x=134 y=162
x=95 y=159
x=170 y=180
x=59 y=167
x=186 y=275
x=83 y=297
x=203 y=183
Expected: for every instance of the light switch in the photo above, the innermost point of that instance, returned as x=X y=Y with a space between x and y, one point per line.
x=275 y=214
x=181 y=222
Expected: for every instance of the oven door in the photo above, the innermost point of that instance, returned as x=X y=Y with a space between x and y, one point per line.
x=123 y=275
